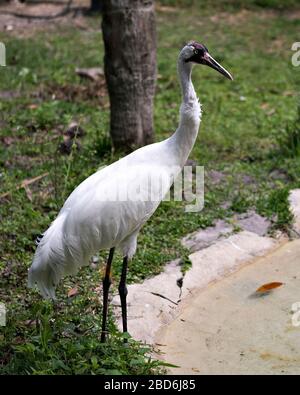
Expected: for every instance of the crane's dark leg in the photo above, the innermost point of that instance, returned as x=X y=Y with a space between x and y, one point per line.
x=106 y=284
x=123 y=294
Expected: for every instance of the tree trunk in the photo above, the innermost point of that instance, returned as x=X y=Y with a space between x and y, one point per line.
x=96 y=5
x=130 y=69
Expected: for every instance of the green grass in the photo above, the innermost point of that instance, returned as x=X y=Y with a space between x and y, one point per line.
x=289 y=139
x=60 y=342
x=245 y=126
x=231 y=4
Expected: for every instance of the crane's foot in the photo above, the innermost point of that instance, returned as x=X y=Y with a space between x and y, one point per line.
x=103 y=337
x=123 y=295
x=106 y=286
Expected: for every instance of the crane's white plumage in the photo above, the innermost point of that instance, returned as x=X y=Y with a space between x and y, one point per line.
x=94 y=217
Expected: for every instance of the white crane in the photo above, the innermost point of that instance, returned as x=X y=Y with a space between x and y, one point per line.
x=108 y=209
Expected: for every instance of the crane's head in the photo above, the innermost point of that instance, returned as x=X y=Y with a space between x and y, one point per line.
x=198 y=53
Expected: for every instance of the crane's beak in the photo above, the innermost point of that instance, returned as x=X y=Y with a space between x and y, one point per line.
x=211 y=62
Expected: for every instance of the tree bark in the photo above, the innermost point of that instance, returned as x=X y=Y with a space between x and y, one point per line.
x=129 y=35
x=96 y=5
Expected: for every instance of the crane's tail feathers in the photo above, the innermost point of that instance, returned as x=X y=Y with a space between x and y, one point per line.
x=48 y=265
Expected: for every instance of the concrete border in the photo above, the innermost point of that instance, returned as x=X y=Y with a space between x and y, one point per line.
x=158 y=300
x=217 y=253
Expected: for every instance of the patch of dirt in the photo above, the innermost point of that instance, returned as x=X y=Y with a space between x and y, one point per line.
x=165 y=8
x=23 y=162
x=279 y=174
x=13 y=16
x=215 y=177
x=253 y=222
x=90 y=91
x=242 y=16
x=7 y=140
x=277 y=45
x=292 y=15
x=231 y=18
x=7 y=95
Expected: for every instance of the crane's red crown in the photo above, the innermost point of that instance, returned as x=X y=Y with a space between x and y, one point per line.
x=201 y=56
x=198 y=46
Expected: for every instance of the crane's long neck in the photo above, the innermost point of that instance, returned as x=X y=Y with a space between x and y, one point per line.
x=190 y=113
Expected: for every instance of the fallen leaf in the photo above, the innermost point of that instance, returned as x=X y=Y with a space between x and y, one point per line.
x=164 y=297
x=271 y=112
x=44 y=194
x=268 y=287
x=30 y=322
x=264 y=106
x=25 y=183
x=289 y=93
x=33 y=106
x=28 y=192
x=165 y=8
x=93 y=73
x=74 y=130
x=8 y=140
x=80 y=25
x=72 y=292
x=98 y=290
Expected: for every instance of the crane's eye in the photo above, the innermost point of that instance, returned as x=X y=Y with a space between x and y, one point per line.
x=196 y=51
